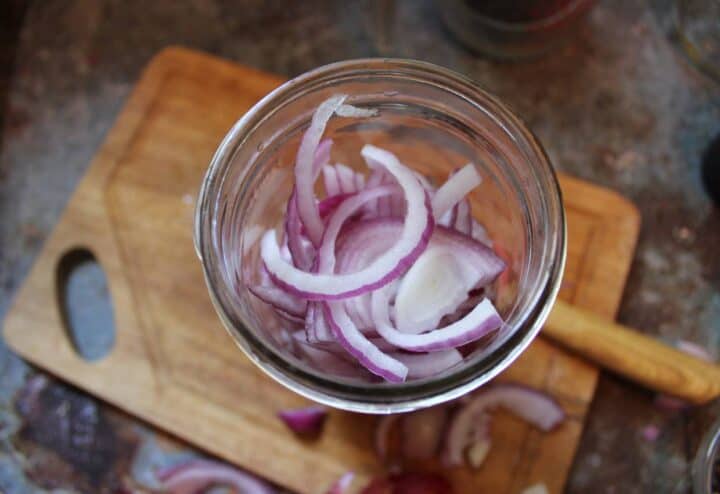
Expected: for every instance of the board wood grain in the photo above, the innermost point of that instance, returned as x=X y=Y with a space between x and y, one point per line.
x=174 y=366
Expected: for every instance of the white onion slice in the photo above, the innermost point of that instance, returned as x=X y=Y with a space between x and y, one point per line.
x=304 y=173
x=455 y=189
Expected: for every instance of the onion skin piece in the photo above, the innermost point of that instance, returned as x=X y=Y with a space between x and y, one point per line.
x=304 y=421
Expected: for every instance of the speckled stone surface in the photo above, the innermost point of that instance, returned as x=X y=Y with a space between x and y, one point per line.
x=620 y=106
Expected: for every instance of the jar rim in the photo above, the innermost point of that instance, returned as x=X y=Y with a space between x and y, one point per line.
x=386 y=397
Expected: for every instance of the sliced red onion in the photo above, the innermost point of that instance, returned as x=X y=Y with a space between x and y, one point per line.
x=359 y=181
x=304 y=176
x=301 y=249
x=480 y=263
x=341 y=485
x=322 y=157
x=479 y=322
x=316 y=326
x=329 y=362
x=280 y=300
x=536 y=408
x=328 y=205
x=293 y=319
x=346 y=178
x=463 y=220
x=433 y=287
x=382 y=434
x=480 y=234
x=422 y=365
x=196 y=475
x=331 y=181
x=422 y=432
x=417 y=227
x=304 y=421
x=455 y=189
x=348 y=208
x=343 y=328
x=357 y=345
x=430 y=188
x=377 y=177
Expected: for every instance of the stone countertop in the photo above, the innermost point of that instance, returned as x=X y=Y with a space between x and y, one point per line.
x=620 y=106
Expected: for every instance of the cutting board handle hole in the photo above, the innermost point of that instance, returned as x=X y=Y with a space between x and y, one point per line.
x=85 y=305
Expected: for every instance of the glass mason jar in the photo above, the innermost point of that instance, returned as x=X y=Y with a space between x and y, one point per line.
x=434 y=120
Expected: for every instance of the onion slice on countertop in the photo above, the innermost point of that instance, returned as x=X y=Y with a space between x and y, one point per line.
x=304 y=172
x=196 y=475
x=304 y=421
x=417 y=228
x=457 y=187
x=534 y=407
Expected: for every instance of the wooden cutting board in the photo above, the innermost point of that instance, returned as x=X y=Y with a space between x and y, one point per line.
x=173 y=364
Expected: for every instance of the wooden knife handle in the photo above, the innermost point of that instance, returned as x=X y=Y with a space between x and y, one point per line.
x=633 y=355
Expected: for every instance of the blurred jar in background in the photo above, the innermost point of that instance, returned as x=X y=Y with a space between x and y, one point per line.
x=513 y=29
x=699 y=32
